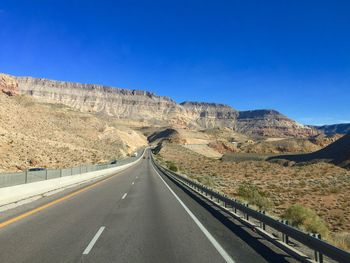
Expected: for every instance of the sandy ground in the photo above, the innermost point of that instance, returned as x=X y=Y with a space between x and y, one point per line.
x=204 y=150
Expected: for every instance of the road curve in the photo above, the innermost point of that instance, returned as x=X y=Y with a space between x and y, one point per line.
x=135 y=216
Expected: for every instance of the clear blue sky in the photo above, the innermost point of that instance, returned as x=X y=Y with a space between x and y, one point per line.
x=293 y=56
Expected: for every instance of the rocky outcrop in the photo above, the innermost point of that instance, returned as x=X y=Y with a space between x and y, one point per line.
x=271 y=123
x=121 y=103
x=8 y=85
x=169 y=134
x=342 y=128
x=157 y=110
x=210 y=115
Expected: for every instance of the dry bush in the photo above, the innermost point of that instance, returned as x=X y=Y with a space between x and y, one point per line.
x=205 y=180
x=253 y=196
x=304 y=217
x=172 y=166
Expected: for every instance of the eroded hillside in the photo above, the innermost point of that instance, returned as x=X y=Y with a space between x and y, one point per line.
x=34 y=134
x=218 y=142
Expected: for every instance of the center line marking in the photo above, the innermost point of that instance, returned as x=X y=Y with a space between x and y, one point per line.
x=124 y=195
x=93 y=241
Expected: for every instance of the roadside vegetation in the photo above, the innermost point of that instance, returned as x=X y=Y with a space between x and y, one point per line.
x=254 y=196
x=307 y=219
x=312 y=197
x=171 y=166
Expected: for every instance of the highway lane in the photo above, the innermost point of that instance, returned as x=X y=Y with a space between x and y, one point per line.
x=131 y=217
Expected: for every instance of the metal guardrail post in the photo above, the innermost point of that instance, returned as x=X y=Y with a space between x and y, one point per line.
x=246 y=215
x=318 y=254
x=263 y=224
x=285 y=236
x=260 y=222
x=46 y=174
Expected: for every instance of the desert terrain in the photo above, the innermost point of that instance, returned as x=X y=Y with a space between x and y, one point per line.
x=249 y=155
x=321 y=187
x=35 y=134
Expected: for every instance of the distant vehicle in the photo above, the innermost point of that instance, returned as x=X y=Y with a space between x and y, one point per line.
x=144 y=157
x=135 y=154
x=113 y=162
x=36 y=169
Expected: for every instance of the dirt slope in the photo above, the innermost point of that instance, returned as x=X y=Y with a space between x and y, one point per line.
x=51 y=135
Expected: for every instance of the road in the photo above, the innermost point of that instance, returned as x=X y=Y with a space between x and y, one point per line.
x=136 y=215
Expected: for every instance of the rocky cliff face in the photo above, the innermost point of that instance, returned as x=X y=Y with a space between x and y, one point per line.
x=157 y=110
x=271 y=123
x=342 y=128
x=121 y=103
x=8 y=85
x=210 y=115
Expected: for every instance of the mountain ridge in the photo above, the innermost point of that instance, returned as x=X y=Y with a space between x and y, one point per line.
x=158 y=110
x=331 y=129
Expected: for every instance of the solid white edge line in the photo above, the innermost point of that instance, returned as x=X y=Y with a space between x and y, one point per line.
x=93 y=241
x=212 y=240
x=124 y=195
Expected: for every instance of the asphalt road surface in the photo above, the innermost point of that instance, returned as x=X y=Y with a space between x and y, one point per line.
x=137 y=215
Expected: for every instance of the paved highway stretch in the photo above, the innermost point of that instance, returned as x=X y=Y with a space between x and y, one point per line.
x=137 y=215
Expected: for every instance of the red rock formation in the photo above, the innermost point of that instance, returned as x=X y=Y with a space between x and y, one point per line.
x=8 y=85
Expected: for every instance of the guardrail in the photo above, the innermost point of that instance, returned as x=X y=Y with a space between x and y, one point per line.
x=319 y=246
x=12 y=179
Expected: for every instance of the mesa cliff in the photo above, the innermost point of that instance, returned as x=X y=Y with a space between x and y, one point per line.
x=157 y=110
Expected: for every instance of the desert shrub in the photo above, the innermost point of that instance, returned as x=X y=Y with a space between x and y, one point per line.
x=206 y=180
x=253 y=196
x=303 y=217
x=172 y=166
x=334 y=189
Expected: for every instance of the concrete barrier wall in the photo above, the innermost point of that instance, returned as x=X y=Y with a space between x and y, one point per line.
x=12 y=179
x=19 y=194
